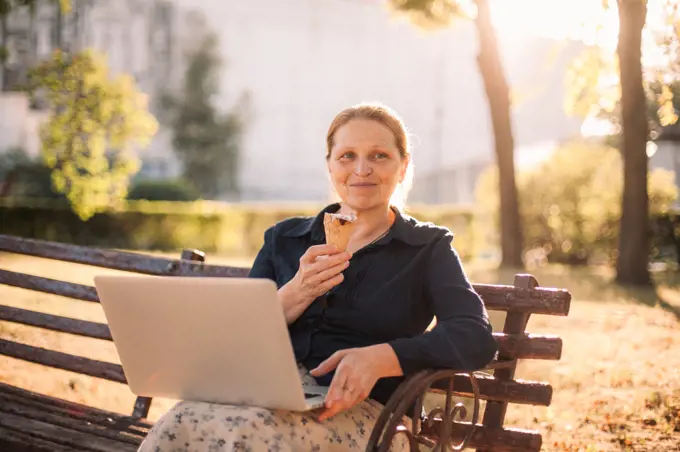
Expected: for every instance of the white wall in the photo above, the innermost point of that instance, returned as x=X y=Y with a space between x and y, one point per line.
x=302 y=61
x=19 y=125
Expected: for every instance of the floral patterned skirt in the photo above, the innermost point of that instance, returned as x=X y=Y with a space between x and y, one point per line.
x=198 y=427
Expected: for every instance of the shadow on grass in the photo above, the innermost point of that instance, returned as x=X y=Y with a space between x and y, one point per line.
x=593 y=284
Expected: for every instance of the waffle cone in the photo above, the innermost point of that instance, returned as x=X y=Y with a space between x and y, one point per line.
x=338 y=230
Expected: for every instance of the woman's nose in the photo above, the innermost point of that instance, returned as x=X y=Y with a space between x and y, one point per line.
x=363 y=167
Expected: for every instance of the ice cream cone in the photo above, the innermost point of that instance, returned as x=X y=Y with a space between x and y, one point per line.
x=338 y=229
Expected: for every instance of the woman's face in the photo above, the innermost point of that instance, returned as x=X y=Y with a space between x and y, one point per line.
x=365 y=165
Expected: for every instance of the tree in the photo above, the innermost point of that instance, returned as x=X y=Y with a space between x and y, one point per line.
x=96 y=124
x=206 y=142
x=633 y=260
x=638 y=101
x=442 y=12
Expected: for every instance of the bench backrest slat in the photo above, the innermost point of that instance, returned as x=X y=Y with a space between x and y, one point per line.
x=496 y=297
x=528 y=346
x=59 y=360
x=56 y=323
x=515 y=346
x=538 y=300
x=48 y=285
x=500 y=391
x=115 y=260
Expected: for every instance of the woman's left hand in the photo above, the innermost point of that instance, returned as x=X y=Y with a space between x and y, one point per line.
x=358 y=369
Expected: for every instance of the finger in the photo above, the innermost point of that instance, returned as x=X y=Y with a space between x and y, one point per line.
x=329 y=284
x=329 y=364
x=332 y=411
x=334 y=394
x=327 y=274
x=323 y=264
x=350 y=396
x=318 y=250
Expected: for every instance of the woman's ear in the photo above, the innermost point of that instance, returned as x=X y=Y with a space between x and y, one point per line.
x=406 y=161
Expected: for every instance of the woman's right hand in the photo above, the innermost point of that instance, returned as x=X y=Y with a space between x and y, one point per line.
x=320 y=270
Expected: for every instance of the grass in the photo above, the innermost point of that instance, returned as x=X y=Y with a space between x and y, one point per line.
x=617 y=386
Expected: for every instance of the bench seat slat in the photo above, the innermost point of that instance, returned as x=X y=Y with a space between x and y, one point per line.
x=73 y=409
x=63 y=436
x=55 y=323
x=20 y=441
x=10 y=405
x=59 y=360
x=116 y=260
x=498 y=440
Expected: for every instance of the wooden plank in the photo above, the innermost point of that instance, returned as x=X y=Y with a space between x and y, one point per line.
x=529 y=346
x=16 y=407
x=62 y=436
x=19 y=441
x=117 y=260
x=59 y=360
x=132 y=424
x=505 y=391
x=48 y=285
x=540 y=300
x=55 y=323
x=498 y=440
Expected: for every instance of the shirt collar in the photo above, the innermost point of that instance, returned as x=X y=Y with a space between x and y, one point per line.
x=405 y=228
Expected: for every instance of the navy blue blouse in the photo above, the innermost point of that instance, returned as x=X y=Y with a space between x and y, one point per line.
x=391 y=291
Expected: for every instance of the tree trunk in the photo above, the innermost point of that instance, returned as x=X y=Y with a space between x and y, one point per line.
x=633 y=259
x=498 y=94
x=58 y=27
x=4 y=34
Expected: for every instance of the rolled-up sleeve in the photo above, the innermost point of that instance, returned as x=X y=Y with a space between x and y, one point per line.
x=462 y=338
x=263 y=266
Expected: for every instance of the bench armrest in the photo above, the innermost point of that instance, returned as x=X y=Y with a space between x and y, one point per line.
x=410 y=396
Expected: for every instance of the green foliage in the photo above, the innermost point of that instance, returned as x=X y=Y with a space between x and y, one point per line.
x=206 y=142
x=95 y=126
x=431 y=13
x=593 y=86
x=163 y=190
x=6 y=6
x=210 y=226
x=571 y=204
x=26 y=176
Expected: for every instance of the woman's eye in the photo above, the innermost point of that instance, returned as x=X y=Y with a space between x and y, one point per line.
x=347 y=156
x=381 y=156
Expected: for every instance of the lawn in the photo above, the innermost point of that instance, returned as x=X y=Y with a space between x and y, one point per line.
x=617 y=386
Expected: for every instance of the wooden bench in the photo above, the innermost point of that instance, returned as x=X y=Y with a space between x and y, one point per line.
x=30 y=421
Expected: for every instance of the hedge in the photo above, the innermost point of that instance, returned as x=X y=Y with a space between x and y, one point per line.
x=214 y=227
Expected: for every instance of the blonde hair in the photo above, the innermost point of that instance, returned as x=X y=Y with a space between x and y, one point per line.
x=390 y=119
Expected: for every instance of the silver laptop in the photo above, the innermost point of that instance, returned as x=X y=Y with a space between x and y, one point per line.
x=220 y=340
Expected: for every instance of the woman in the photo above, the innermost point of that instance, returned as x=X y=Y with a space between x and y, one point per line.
x=357 y=317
